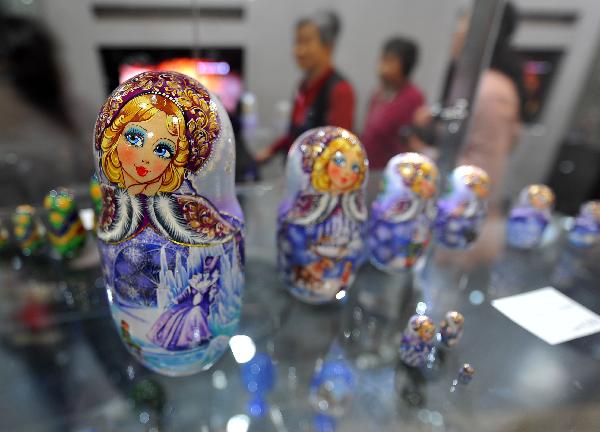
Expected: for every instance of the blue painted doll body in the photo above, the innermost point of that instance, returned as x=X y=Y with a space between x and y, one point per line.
x=529 y=218
x=462 y=209
x=322 y=218
x=403 y=212
x=585 y=232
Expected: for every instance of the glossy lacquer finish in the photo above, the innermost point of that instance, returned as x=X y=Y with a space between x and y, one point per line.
x=403 y=212
x=170 y=226
x=322 y=216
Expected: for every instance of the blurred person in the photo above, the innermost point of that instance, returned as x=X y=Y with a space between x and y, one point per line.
x=393 y=105
x=324 y=97
x=497 y=108
x=37 y=134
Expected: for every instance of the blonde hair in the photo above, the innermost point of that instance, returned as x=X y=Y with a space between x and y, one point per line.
x=320 y=179
x=143 y=108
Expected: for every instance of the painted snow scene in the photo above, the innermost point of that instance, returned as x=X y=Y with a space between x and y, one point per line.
x=175 y=306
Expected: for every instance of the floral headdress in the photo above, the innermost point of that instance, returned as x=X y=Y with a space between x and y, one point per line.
x=202 y=126
x=315 y=141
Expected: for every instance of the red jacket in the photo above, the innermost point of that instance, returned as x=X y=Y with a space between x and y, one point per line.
x=340 y=110
x=386 y=117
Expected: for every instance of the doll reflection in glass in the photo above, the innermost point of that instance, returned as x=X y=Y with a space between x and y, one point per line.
x=145 y=149
x=323 y=231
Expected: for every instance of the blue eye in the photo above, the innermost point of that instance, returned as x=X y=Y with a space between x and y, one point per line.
x=355 y=168
x=339 y=159
x=164 y=150
x=135 y=136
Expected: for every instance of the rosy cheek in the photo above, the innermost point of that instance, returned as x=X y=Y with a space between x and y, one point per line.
x=333 y=171
x=158 y=165
x=127 y=155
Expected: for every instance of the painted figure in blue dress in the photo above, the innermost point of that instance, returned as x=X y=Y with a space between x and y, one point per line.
x=322 y=218
x=462 y=209
x=528 y=219
x=170 y=226
x=585 y=232
x=417 y=341
x=403 y=212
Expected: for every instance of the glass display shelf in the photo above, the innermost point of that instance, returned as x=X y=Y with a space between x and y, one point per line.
x=64 y=367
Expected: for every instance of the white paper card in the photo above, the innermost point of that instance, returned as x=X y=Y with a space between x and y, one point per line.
x=549 y=314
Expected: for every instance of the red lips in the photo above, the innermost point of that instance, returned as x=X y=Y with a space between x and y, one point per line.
x=142 y=171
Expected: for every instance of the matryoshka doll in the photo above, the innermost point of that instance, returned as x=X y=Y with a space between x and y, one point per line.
x=462 y=209
x=322 y=218
x=170 y=227
x=417 y=341
x=451 y=328
x=66 y=233
x=528 y=219
x=30 y=235
x=402 y=214
x=585 y=232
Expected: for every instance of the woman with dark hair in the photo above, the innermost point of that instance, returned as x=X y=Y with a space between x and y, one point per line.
x=393 y=104
x=324 y=97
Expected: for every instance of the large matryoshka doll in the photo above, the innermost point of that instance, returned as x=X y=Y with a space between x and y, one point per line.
x=463 y=208
x=170 y=226
x=403 y=212
x=322 y=217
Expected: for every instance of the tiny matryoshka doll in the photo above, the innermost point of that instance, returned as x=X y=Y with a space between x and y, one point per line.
x=417 y=341
x=462 y=209
x=403 y=212
x=528 y=219
x=170 y=227
x=322 y=218
x=585 y=231
x=28 y=231
x=451 y=328
x=66 y=233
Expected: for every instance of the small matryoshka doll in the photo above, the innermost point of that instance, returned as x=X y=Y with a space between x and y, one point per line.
x=528 y=219
x=585 y=231
x=402 y=214
x=417 y=340
x=322 y=218
x=462 y=209
x=170 y=227
x=465 y=374
x=29 y=233
x=66 y=233
x=451 y=328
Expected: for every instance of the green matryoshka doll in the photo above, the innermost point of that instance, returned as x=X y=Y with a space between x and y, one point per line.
x=66 y=233
x=29 y=233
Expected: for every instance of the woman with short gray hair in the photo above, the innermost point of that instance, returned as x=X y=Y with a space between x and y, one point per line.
x=324 y=97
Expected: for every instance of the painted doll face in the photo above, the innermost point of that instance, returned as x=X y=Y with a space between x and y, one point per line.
x=425 y=181
x=146 y=149
x=344 y=170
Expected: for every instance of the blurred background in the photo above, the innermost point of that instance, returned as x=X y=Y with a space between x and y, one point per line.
x=60 y=59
